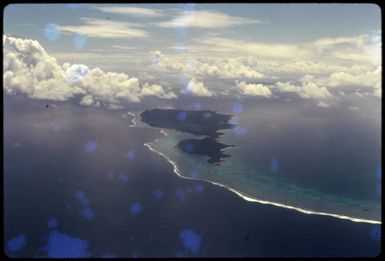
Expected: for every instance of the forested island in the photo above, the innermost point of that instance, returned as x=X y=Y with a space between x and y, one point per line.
x=205 y=122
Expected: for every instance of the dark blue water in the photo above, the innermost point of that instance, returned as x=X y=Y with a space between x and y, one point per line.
x=78 y=182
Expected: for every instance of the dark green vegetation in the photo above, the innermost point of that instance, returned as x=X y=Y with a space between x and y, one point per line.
x=196 y=122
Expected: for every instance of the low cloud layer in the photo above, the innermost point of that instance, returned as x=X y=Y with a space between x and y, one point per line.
x=30 y=70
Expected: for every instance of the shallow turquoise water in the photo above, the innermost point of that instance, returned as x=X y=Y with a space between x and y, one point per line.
x=235 y=173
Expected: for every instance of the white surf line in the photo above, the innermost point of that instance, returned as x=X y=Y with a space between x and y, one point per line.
x=246 y=197
x=250 y=199
x=133 y=119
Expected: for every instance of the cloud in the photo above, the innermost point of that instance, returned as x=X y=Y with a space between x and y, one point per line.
x=225 y=68
x=241 y=47
x=134 y=11
x=102 y=28
x=323 y=104
x=156 y=90
x=87 y=100
x=205 y=19
x=122 y=47
x=254 y=89
x=197 y=88
x=288 y=87
x=28 y=69
x=311 y=90
x=308 y=88
x=363 y=78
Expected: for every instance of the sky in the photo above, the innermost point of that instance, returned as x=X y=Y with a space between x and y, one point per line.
x=111 y=55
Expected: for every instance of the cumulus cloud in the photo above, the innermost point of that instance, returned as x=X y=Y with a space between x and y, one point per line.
x=363 y=78
x=311 y=90
x=323 y=104
x=156 y=90
x=225 y=68
x=87 y=100
x=28 y=69
x=254 y=89
x=307 y=88
x=197 y=88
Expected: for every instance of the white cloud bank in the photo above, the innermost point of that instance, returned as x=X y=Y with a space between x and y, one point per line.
x=28 y=69
x=254 y=89
x=197 y=88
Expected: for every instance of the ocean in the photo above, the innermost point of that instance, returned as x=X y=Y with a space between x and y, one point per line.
x=81 y=182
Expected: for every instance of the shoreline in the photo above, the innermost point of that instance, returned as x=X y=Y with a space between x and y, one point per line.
x=243 y=195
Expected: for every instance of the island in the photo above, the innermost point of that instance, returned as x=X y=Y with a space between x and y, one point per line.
x=203 y=123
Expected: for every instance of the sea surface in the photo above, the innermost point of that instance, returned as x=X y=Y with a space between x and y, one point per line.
x=324 y=162
x=81 y=182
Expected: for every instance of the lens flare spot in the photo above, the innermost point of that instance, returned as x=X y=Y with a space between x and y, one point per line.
x=136 y=208
x=182 y=116
x=79 y=41
x=237 y=108
x=52 y=31
x=90 y=146
x=17 y=243
x=190 y=240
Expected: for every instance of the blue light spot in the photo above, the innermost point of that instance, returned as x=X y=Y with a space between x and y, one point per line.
x=91 y=146
x=52 y=223
x=188 y=7
x=274 y=164
x=55 y=127
x=183 y=80
x=237 y=108
x=74 y=6
x=190 y=240
x=179 y=193
x=239 y=131
x=375 y=233
x=79 y=41
x=199 y=188
x=61 y=245
x=191 y=64
x=110 y=174
x=234 y=122
x=136 y=208
x=108 y=255
x=87 y=213
x=179 y=47
x=157 y=193
x=182 y=116
x=130 y=154
x=197 y=106
x=76 y=73
x=123 y=177
x=378 y=189
x=182 y=31
x=378 y=172
x=16 y=243
x=189 y=147
x=52 y=31
x=194 y=174
x=134 y=254
x=132 y=238
x=81 y=196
